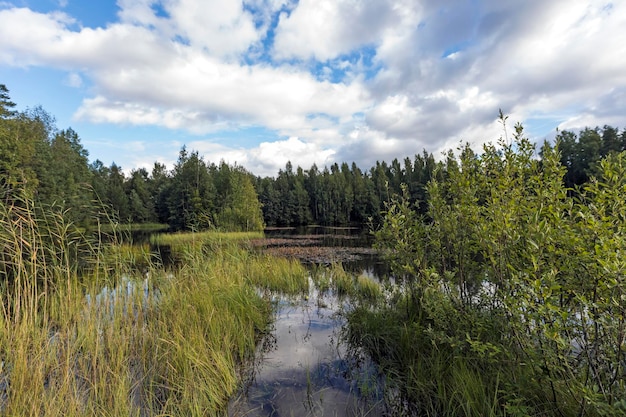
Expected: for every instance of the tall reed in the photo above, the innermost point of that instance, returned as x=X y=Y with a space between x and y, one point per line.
x=91 y=327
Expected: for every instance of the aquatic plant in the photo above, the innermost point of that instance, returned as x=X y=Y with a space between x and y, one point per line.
x=84 y=331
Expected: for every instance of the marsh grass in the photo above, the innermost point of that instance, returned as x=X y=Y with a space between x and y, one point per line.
x=131 y=257
x=367 y=289
x=97 y=328
x=342 y=280
x=276 y=274
x=132 y=227
x=429 y=374
x=321 y=277
x=198 y=239
x=344 y=283
x=232 y=254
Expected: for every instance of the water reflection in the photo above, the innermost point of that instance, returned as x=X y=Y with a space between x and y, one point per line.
x=303 y=371
x=302 y=368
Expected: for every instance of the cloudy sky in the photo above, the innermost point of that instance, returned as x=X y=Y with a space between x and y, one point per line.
x=261 y=82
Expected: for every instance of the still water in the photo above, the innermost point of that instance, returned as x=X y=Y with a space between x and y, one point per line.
x=302 y=367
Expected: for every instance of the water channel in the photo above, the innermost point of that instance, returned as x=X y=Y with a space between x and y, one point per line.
x=302 y=367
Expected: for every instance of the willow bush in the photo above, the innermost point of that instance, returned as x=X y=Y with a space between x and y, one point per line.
x=521 y=279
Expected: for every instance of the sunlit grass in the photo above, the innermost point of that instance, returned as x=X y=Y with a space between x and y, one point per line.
x=91 y=328
x=277 y=274
x=208 y=323
x=135 y=257
x=342 y=280
x=132 y=227
x=321 y=277
x=200 y=238
x=345 y=283
x=366 y=288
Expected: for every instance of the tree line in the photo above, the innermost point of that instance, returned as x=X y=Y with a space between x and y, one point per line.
x=344 y=194
x=52 y=165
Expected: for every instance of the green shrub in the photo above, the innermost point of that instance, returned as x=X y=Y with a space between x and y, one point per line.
x=511 y=271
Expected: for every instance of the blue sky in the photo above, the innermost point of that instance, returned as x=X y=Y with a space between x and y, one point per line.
x=263 y=82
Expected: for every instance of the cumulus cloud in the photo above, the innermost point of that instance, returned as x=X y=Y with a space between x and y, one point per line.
x=324 y=29
x=268 y=157
x=221 y=27
x=344 y=80
x=201 y=94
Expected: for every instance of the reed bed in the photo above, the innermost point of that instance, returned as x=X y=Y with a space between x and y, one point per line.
x=367 y=289
x=277 y=274
x=232 y=253
x=198 y=239
x=342 y=280
x=98 y=329
x=344 y=283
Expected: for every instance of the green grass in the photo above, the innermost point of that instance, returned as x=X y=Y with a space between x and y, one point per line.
x=431 y=373
x=345 y=283
x=110 y=227
x=367 y=289
x=277 y=274
x=83 y=333
x=186 y=239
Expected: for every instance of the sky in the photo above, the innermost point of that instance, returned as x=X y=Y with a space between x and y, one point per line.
x=259 y=83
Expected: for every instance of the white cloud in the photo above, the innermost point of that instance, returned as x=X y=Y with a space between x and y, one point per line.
x=223 y=27
x=139 y=12
x=436 y=73
x=268 y=157
x=23 y=33
x=201 y=94
x=325 y=29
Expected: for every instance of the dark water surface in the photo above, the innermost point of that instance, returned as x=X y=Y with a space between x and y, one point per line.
x=303 y=368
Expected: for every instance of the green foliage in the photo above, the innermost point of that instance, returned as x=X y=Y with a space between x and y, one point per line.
x=191 y=194
x=6 y=105
x=367 y=289
x=581 y=153
x=78 y=338
x=52 y=167
x=21 y=136
x=510 y=272
x=341 y=194
x=240 y=209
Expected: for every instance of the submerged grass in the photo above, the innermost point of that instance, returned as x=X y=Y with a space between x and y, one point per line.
x=84 y=331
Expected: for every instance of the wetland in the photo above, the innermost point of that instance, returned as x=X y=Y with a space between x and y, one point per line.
x=237 y=323
x=303 y=366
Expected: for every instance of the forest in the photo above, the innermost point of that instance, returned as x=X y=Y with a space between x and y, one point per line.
x=52 y=166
